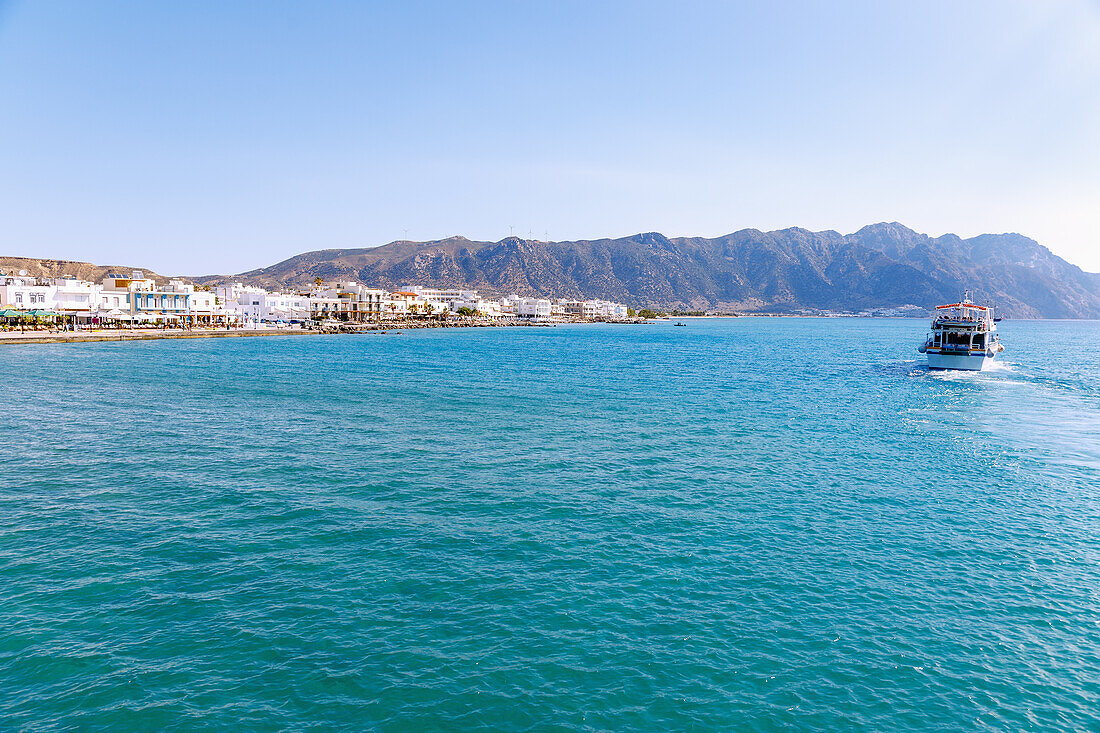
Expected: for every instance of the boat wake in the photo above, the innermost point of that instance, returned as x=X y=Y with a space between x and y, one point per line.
x=1010 y=374
x=905 y=368
x=1003 y=372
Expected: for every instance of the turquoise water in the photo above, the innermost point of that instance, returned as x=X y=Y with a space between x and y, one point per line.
x=753 y=524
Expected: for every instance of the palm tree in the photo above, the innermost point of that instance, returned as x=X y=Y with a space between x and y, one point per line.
x=428 y=309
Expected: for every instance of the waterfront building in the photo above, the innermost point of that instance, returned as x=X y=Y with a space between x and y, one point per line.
x=134 y=282
x=485 y=308
x=202 y=306
x=347 y=301
x=571 y=308
x=443 y=295
x=533 y=308
x=590 y=310
x=399 y=303
x=322 y=308
x=434 y=308
x=607 y=310
x=257 y=305
x=66 y=296
x=26 y=293
x=76 y=298
x=137 y=298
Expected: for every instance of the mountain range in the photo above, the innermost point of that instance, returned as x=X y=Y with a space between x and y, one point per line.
x=880 y=266
x=884 y=265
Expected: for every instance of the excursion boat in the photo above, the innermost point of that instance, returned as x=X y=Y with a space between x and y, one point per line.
x=963 y=337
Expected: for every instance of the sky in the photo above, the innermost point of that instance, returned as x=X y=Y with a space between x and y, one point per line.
x=195 y=137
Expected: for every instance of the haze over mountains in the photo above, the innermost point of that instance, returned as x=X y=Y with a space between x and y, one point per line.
x=881 y=265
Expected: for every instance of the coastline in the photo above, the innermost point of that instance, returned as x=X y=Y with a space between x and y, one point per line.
x=68 y=337
x=32 y=337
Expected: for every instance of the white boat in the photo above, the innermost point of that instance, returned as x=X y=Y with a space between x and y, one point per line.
x=963 y=336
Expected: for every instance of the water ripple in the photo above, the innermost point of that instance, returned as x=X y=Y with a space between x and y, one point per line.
x=600 y=528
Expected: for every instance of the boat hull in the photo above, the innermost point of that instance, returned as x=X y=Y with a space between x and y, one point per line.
x=972 y=362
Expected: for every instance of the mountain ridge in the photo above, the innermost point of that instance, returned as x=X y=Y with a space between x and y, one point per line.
x=44 y=267
x=881 y=265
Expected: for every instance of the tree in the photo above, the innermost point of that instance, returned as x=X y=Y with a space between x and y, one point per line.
x=317 y=281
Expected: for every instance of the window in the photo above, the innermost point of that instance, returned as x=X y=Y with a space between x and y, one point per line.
x=18 y=297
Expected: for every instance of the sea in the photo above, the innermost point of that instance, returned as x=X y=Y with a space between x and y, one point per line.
x=748 y=524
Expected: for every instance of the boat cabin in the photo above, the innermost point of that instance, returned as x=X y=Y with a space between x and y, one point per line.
x=961 y=326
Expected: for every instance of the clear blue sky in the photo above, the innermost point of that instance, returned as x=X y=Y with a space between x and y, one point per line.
x=195 y=137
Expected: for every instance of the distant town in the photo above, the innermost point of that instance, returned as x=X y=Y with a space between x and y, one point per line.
x=133 y=299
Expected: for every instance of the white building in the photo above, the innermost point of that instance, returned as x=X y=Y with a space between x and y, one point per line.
x=484 y=308
x=256 y=305
x=75 y=297
x=533 y=307
x=591 y=309
x=608 y=310
x=443 y=295
x=571 y=308
x=26 y=293
x=202 y=305
x=347 y=301
x=138 y=298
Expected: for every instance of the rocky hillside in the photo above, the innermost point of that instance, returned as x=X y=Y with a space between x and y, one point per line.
x=881 y=265
x=68 y=268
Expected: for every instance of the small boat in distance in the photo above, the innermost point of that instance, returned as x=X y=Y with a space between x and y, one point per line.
x=963 y=336
x=679 y=324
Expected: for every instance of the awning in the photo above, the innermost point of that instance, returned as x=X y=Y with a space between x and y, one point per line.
x=962 y=305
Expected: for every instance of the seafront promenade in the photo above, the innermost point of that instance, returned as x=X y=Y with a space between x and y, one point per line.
x=124 y=301
x=13 y=338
